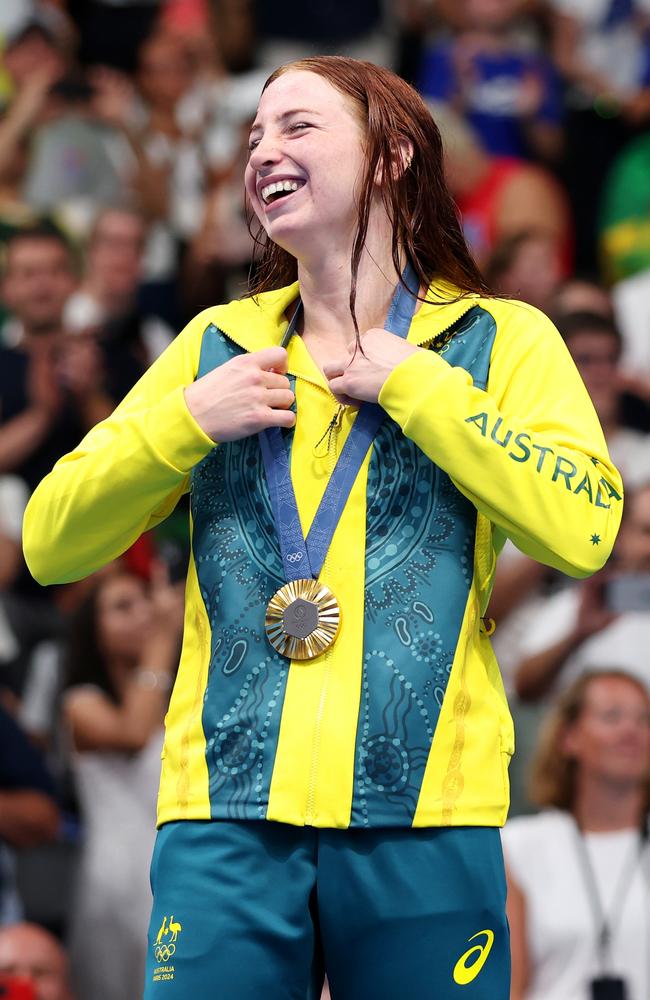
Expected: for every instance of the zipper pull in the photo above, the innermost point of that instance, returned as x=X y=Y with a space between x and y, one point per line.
x=333 y=425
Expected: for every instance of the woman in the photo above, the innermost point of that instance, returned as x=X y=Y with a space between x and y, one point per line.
x=368 y=699
x=121 y=660
x=579 y=872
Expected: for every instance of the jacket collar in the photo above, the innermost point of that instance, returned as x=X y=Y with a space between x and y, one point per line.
x=259 y=322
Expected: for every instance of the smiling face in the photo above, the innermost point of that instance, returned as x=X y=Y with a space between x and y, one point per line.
x=306 y=164
x=610 y=740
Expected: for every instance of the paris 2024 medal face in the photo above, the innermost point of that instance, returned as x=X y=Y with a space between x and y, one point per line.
x=302 y=619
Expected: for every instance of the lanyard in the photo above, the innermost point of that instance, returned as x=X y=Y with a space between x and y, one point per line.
x=302 y=558
x=605 y=922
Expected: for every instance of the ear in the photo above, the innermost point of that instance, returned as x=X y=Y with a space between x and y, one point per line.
x=401 y=158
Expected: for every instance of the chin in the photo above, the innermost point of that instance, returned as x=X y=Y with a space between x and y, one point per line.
x=287 y=237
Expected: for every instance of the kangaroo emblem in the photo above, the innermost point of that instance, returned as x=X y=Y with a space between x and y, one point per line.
x=175 y=928
x=163 y=932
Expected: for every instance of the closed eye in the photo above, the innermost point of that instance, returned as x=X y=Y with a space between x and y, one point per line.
x=293 y=127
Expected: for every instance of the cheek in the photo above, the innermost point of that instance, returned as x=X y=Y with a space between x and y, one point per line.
x=251 y=193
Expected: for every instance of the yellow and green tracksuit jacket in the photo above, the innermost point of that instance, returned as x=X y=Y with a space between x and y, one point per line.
x=403 y=721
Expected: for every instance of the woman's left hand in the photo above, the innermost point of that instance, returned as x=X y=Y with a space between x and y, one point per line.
x=359 y=377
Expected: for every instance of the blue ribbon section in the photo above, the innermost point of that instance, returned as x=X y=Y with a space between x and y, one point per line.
x=302 y=558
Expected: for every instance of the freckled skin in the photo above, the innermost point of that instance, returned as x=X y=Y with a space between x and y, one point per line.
x=319 y=142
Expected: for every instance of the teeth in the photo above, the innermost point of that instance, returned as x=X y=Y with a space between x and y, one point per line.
x=280 y=186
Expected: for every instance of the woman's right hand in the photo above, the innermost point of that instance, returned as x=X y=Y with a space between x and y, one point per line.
x=243 y=396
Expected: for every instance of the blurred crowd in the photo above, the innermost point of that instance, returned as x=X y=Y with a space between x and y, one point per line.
x=123 y=135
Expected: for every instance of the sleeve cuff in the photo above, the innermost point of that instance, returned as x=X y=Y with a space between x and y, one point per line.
x=174 y=433
x=410 y=383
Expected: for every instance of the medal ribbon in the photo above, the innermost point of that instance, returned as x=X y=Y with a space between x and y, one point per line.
x=303 y=558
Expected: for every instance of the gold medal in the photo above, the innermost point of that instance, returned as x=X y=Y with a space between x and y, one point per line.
x=302 y=619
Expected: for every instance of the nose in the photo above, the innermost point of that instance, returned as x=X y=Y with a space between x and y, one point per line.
x=265 y=154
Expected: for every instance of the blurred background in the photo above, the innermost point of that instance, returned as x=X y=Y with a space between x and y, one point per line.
x=123 y=136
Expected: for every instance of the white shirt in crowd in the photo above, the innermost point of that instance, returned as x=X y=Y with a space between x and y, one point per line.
x=623 y=645
x=541 y=855
x=631 y=299
x=13 y=500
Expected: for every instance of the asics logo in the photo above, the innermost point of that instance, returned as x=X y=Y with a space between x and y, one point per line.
x=472 y=961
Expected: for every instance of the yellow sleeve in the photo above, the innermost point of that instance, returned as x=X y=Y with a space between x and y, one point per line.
x=126 y=475
x=528 y=451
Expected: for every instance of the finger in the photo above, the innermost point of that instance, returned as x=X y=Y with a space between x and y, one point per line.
x=280 y=418
x=279 y=398
x=337 y=383
x=270 y=357
x=273 y=380
x=332 y=369
x=338 y=387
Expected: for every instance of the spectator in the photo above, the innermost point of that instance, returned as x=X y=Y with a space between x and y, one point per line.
x=581 y=294
x=169 y=125
x=113 y=268
x=624 y=212
x=123 y=653
x=107 y=300
x=578 y=872
x=595 y=345
x=526 y=266
x=28 y=813
x=602 y=48
x=36 y=44
x=161 y=118
x=221 y=250
x=50 y=390
x=49 y=133
x=500 y=197
x=34 y=60
x=508 y=92
x=30 y=952
x=17 y=125
x=70 y=163
x=599 y=623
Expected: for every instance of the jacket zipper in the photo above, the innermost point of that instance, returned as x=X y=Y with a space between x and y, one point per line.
x=332 y=433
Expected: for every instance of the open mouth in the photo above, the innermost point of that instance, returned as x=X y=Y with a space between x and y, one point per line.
x=280 y=190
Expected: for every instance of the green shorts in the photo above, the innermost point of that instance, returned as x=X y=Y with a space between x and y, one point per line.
x=258 y=911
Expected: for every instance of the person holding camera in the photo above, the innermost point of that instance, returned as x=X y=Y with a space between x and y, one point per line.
x=597 y=623
x=579 y=871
